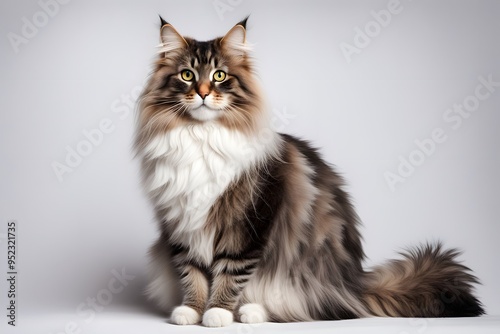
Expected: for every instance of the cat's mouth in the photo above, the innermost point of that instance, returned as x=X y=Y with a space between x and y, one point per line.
x=205 y=113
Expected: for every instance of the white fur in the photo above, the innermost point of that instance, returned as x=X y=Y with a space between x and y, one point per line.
x=185 y=315
x=278 y=294
x=194 y=164
x=252 y=313
x=207 y=109
x=281 y=297
x=204 y=113
x=217 y=317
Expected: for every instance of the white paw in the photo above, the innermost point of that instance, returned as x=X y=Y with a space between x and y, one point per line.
x=217 y=317
x=184 y=315
x=252 y=314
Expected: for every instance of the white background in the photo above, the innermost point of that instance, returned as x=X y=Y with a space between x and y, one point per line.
x=82 y=65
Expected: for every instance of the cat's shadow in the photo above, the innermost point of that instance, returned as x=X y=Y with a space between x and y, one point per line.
x=135 y=298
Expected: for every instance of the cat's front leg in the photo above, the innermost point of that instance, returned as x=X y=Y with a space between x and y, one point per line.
x=230 y=275
x=195 y=283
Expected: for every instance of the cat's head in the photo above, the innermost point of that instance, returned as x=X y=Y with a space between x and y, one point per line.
x=197 y=82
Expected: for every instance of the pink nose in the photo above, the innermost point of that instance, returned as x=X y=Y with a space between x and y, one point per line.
x=203 y=90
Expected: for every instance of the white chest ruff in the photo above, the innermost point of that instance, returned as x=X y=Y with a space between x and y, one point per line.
x=193 y=166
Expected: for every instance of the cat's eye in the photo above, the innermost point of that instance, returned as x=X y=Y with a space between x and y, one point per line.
x=187 y=75
x=219 y=76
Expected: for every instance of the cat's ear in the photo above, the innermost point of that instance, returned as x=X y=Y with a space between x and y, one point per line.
x=235 y=40
x=170 y=39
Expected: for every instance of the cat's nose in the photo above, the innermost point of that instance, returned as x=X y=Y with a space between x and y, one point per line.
x=203 y=90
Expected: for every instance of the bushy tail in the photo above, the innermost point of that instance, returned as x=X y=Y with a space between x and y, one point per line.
x=426 y=282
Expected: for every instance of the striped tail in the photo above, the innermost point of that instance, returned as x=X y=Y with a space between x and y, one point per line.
x=426 y=282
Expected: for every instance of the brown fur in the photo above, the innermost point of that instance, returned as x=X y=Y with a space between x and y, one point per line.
x=427 y=282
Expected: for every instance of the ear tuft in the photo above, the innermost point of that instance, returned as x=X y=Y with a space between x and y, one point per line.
x=162 y=21
x=235 y=40
x=170 y=39
x=243 y=22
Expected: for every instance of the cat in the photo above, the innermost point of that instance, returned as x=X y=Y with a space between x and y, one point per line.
x=256 y=223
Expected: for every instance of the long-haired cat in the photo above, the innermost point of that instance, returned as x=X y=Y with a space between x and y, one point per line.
x=257 y=225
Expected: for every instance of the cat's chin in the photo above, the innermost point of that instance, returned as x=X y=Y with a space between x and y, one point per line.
x=205 y=114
